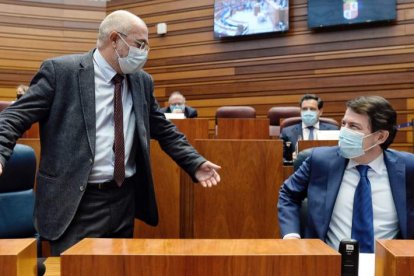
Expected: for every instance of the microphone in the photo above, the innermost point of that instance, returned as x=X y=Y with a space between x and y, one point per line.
x=349 y=249
x=41 y=267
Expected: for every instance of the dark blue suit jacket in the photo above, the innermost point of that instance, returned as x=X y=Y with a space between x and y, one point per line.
x=291 y=134
x=319 y=179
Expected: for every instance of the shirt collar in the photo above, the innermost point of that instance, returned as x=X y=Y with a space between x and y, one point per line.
x=376 y=165
x=316 y=126
x=107 y=71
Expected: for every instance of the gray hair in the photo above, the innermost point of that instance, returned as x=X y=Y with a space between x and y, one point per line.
x=176 y=93
x=120 y=21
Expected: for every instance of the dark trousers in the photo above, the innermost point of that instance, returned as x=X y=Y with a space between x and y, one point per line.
x=105 y=211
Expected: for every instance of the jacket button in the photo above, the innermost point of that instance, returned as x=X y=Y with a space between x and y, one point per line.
x=81 y=188
x=91 y=161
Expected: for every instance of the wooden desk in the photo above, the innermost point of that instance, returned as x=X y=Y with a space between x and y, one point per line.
x=125 y=257
x=232 y=128
x=243 y=205
x=169 y=181
x=52 y=266
x=394 y=258
x=18 y=257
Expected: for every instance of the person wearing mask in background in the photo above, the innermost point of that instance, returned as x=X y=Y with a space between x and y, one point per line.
x=311 y=109
x=359 y=189
x=97 y=113
x=176 y=104
x=21 y=90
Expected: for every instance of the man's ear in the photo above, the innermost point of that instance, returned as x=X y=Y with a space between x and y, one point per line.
x=320 y=112
x=113 y=37
x=383 y=136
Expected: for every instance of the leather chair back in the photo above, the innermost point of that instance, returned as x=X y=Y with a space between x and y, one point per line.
x=275 y=114
x=4 y=105
x=236 y=112
x=302 y=155
x=295 y=120
x=17 y=194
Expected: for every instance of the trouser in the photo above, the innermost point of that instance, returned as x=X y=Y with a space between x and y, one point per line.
x=105 y=211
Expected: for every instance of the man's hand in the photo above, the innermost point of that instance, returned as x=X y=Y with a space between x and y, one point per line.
x=207 y=174
x=1 y=169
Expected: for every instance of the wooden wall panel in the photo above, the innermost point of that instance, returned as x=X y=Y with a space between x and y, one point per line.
x=31 y=31
x=276 y=70
x=265 y=71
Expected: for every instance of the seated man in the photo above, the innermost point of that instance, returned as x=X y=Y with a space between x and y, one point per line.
x=176 y=103
x=359 y=189
x=311 y=109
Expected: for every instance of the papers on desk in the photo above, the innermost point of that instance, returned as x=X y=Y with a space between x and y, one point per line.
x=366 y=264
x=328 y=134
x=170 y=116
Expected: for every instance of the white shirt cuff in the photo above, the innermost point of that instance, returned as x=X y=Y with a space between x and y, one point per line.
x=291 y=235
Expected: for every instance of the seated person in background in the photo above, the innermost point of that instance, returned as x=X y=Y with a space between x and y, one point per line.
x=21 y=90
x=359 y=189
x=176 y=104
x=311 y=109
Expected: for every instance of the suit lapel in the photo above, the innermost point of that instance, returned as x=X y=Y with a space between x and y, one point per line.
x=87 y=98
x=396 y=175
x=138 y=98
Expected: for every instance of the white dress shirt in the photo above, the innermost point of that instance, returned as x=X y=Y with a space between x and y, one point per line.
x=306 y=131
x=103 y=167
x=385 y=214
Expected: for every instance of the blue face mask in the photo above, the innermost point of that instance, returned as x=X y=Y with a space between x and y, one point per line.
x=351 y=143
x=177 y=108
x=309 y=117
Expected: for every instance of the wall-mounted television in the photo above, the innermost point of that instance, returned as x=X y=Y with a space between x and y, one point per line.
x=248 y=17
x=326 y=13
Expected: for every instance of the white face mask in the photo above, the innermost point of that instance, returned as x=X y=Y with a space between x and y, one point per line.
x=134 y=61
x=351 y=143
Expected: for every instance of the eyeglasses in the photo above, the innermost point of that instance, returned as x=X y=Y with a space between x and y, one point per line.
x=142 y=45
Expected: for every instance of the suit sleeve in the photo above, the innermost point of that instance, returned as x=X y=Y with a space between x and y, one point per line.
x=30 y=108
x=171 y=140
x=291 y=195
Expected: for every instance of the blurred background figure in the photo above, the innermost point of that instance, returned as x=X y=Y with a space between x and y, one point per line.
x=21 y=90
x=176 y=104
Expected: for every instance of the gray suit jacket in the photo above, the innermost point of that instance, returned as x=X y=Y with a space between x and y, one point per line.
x=62 y=99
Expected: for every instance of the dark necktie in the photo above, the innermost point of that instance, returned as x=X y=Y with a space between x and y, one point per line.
x=119 y=148
x=311 y=128
x=362 y=217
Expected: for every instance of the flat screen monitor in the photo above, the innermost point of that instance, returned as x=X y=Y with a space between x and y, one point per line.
x=325 y=13
x=248 y=17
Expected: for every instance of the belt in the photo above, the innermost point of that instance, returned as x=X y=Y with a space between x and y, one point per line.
x=103 y=185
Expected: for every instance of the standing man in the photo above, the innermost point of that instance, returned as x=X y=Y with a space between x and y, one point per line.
x=97 y=113
x=360 y=189
x=176 y=104
x=311 y=109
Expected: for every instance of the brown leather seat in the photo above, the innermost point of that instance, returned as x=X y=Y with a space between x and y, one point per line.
x=236 y=112
x=4 y=105
x=295 y=120
x=276 y=114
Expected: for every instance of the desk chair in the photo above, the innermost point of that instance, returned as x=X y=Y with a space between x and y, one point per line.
x=235 y=112
x=17 y=197
x=296 y=120
x=4 y=105
x=302 y=155
x=276 y=114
